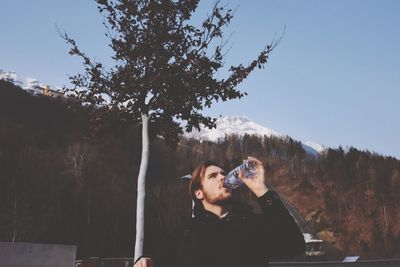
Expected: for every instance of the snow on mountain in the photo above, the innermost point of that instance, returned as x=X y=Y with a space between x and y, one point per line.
x=238 y=125
x=317 y=147
x=241 y=125
x=312 y=150
x=10 y=76
x=31 y=85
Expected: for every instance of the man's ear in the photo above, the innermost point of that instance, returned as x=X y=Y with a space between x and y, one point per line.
x=199 y=194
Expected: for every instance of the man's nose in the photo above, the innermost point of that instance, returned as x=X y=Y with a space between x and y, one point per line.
x=221 y=177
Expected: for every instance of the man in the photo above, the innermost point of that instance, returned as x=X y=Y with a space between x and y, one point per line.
x=223 y=233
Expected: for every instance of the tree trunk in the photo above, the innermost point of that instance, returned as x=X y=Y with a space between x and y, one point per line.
x=386 y=217
x=141 y=193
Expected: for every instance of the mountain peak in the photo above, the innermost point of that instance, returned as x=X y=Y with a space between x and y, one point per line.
x=10 y=76
x=31 y=85
x=240 y=126
x=232 y=125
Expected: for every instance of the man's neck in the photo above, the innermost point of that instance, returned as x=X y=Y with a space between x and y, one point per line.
x=219 y=210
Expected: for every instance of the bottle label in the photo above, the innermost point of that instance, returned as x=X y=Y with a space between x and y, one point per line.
x=248 y=169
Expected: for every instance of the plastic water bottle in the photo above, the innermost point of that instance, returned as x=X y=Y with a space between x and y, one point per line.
x=249 y=170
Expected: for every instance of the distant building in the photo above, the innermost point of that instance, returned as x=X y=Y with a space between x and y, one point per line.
x=49 y=92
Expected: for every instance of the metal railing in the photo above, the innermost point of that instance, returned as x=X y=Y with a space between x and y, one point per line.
x=105 y=262
x=128 y=262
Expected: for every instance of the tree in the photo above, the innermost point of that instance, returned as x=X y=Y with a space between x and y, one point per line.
x=164 y=71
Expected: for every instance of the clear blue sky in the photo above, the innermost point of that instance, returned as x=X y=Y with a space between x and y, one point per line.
x=334 y=79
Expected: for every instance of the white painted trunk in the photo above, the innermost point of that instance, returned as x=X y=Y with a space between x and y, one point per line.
x=141 y=190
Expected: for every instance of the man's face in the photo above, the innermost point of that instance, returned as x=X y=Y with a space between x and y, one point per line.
x=213 y=190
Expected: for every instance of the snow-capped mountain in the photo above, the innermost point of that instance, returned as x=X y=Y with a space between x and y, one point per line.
x=317 y=147
x=10 y=76
x=241 y=125
x=238 y=125
x=31 y=85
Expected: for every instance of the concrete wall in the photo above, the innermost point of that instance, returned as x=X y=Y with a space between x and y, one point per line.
x=36 y=255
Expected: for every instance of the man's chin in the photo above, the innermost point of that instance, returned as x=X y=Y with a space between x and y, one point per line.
x=223 y=197
x=226 y=195
x=226 y=191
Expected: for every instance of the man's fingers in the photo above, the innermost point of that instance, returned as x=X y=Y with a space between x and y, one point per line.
x=255 y=160
x=144 y=262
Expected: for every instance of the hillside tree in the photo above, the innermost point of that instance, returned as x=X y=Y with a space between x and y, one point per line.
x=164 y=71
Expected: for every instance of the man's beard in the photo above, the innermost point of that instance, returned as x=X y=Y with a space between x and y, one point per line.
x=220 y=199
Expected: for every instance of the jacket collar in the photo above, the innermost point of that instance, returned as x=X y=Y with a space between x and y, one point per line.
x=204 y=215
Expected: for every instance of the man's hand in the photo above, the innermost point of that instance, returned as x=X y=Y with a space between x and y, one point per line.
x=256 y=184
x=144 y=262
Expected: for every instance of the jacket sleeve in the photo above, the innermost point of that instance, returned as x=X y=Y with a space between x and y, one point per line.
x=282 y=235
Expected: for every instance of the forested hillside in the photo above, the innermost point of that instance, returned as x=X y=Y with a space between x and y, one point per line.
x=59 y=183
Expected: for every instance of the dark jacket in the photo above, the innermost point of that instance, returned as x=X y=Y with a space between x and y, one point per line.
x=240 y=239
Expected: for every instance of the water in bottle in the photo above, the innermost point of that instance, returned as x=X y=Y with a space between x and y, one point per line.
x=249 y=170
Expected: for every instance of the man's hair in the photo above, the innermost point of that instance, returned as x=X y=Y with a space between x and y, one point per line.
x=198 y=177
